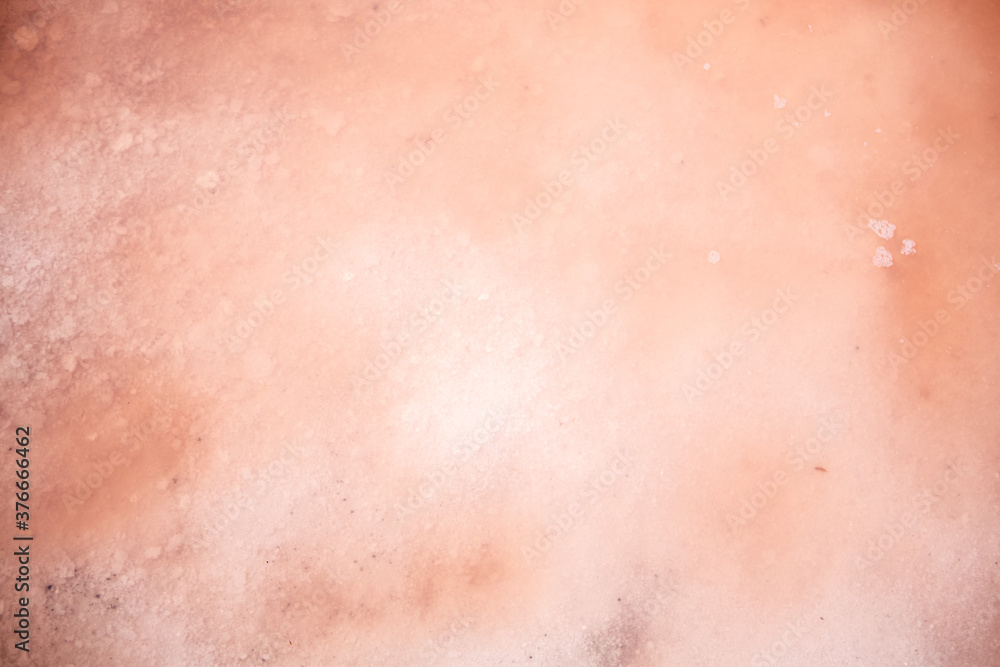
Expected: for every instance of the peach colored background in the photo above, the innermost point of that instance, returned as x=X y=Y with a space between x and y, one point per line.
x=449 y=333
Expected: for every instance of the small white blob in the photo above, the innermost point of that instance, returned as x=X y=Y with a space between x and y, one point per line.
x=707 y=66
x=878 y=129
x=883 y=228
x=826 y=113
x=714 y=257
x=909 y=247
x=779 y=102
x=883 y=258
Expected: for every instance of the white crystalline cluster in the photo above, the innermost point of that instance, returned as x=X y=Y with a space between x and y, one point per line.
x=909 y=247
x=883 y=258
x=883 y=228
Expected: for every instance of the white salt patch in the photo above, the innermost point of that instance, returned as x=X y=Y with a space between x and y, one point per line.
x=883 y=228
x=779 y=102
x=26 y=38
x=714 y=257
x=826 y=113
x=707 y=66
x=878 y=129
x=909 y=247
x=883 y=258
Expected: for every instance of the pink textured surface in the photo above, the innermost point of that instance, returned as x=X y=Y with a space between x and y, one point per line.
x=502 y=333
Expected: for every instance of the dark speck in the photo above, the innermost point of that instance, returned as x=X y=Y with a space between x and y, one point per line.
x=820 y=469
